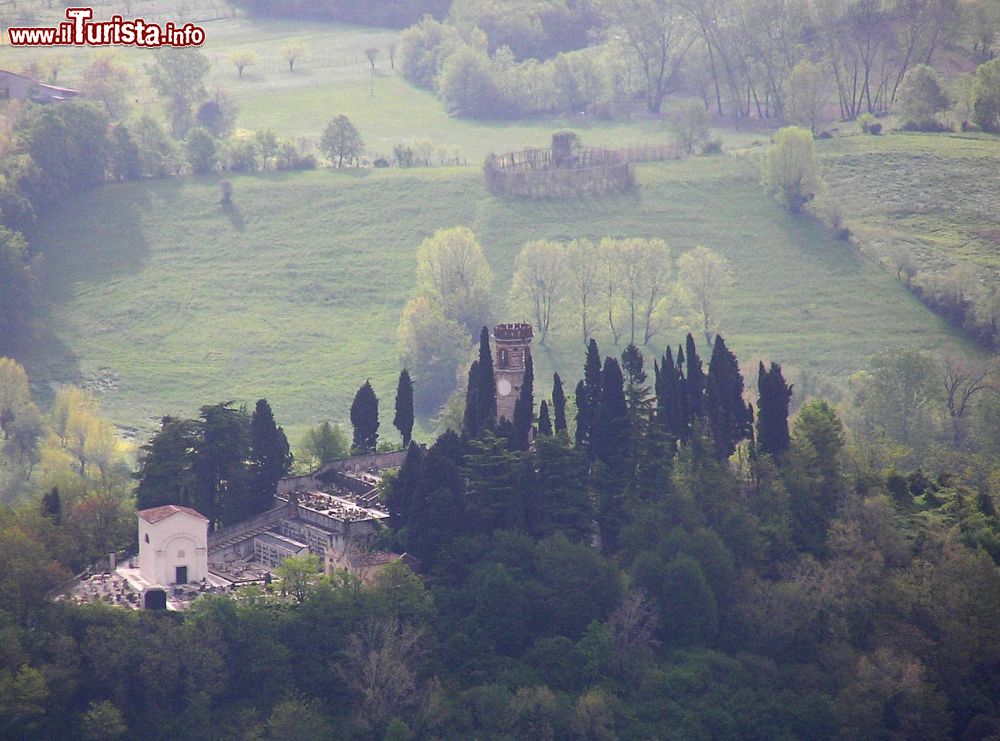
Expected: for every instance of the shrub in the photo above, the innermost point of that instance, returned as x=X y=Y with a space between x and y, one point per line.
x=791 y=168
x=404 y=155
x=467 y=86
x=423 y=49
x=381 y=162
x=201 y=151
x=986 y=96
x=713 y=146
x=875 y=129
x=921 y=98
x=690 y=121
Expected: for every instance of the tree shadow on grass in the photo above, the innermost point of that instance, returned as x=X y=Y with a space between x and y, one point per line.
x=235 y=215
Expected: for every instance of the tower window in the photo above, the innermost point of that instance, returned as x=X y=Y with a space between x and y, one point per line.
x=147 y=537
x=503 y=358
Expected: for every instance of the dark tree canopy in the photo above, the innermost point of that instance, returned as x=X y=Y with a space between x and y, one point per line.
x=403 y=421
x=695 y=380
x=772 y=411
x=611 y=430
x=270 y=455
x=730 y=419
x=583 y=412
x=544 y=421
x=52 y=505
x=481 y=393
x=558 y=404
x=524 y=407
x=364 y=417
x=166 y=465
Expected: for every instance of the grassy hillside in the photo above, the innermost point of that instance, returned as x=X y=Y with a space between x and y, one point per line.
x=165 y=301
x=933 y=194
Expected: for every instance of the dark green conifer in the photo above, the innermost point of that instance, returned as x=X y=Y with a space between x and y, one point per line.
x=611 y=430
x=558 y=404
x=270 y=456
x=524 y=408
x=487 y=383
x=364 y=417
x=403 y=421
x=729 y=417
x=52 y=505
x=695 y=380
x=582 y=415
x=403 y=488
x=544 y=423
x=471 y=426
x=481 y=393
x=772 y=411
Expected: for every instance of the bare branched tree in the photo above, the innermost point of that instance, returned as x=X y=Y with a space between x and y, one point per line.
x=379 y=668
x=962 y=382
x=632 y=627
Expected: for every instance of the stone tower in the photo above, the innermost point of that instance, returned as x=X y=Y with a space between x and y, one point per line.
x=513 y=345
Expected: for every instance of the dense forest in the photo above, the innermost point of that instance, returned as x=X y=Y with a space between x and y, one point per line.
x=662 y=561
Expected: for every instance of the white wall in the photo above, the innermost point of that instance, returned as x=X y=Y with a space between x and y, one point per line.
x=177 y=540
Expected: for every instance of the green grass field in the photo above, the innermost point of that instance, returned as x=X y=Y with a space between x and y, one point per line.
x=332 y=77
x=296 y=295
x=162 y=301
x=934 y=194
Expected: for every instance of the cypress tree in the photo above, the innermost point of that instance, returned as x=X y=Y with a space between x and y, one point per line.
x=270 y=456
x=611 y=430
x=471 y=425
x=695 y=384
x=364 y=417
x=668 y=392
x=403 y=488
x=592 y=383
x=635 y=376
x=487 y=386
x=524 y=407
x=403 y=421
x=729 y=418
x=772 y=411
x=544 y=423
x=558 y=404
x=582 y=415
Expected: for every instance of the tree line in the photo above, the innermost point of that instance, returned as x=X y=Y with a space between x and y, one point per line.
x=757 y=573
x=743 y=59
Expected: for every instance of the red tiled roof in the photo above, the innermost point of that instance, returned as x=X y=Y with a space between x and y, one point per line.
x=161 y=513
x=373 y=558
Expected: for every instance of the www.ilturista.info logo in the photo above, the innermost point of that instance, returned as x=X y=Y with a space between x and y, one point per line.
x=81 y=30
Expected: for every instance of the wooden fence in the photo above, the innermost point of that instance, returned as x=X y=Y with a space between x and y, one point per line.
x=535 y=173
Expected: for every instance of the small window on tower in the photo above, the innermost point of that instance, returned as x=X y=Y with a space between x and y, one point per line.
x=503 y=359
x=147 y=537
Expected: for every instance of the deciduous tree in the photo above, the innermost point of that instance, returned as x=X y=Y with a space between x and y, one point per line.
x=341 y=142
x=452 y=269
x=791 y=169
x=704 y=275
x=178 y=75
x=539 y=282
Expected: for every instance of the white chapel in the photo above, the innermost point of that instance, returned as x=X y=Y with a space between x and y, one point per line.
x=173 y=545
